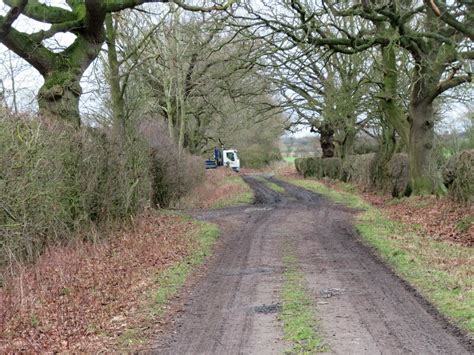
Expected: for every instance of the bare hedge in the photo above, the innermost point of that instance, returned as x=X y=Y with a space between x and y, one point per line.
x=174 y=173
x=399 y=178
x=57 y=182
x=318 y=167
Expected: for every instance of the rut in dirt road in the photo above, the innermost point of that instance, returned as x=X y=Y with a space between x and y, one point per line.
x=363 y=308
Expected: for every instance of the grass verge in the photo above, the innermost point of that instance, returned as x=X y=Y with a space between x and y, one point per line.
x=297 y=311
x=170 y=282
x=440 y=271
x=271 y=185
x=172 y=279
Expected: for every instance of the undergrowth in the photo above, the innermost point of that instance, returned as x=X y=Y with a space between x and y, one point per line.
x=440 y=271
x=98 y=297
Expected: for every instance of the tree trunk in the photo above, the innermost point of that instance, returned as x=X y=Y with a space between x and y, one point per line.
x=13 y=81
x=182 y=128
x=118 y=103
x=347 y=144
x=327 y=140
x=394 y=119
x=58 y=98
x=169 y=113
x=390 y=103
x=380 y=168
x=424 y=177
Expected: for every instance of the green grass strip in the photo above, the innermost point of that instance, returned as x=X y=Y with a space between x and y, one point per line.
x=441 y=271
x=271 y=185
x=298 y=312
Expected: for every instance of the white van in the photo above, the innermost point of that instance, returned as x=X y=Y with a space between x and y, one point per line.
x=231 y=159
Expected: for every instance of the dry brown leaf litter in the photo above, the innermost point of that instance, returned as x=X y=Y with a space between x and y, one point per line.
x=82 y=297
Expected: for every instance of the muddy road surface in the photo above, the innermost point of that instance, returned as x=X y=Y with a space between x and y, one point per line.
x=362 y=307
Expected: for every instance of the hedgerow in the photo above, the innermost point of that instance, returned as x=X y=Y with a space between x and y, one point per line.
x=58 y=183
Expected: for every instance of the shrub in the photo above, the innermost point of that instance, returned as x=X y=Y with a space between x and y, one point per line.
x=399 y=178
x=258 y=156
x=300 y=165
x=458 y=175
x=314 y=167
x=309 y=167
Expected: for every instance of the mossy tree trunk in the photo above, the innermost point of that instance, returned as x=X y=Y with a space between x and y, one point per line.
x=390 y=103
x=432 y=58
x=380 y=172
x=394 y=118
x=347 y=144
x=328 y=147
x=424 y=176
x=59 y=96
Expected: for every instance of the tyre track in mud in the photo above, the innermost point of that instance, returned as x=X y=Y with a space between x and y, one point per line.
x=363 y=308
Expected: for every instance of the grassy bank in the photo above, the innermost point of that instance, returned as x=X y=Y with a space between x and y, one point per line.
x=441 y=271
x=297 y=310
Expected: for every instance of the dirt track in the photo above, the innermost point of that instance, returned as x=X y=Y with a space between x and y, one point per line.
x=363 y=307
